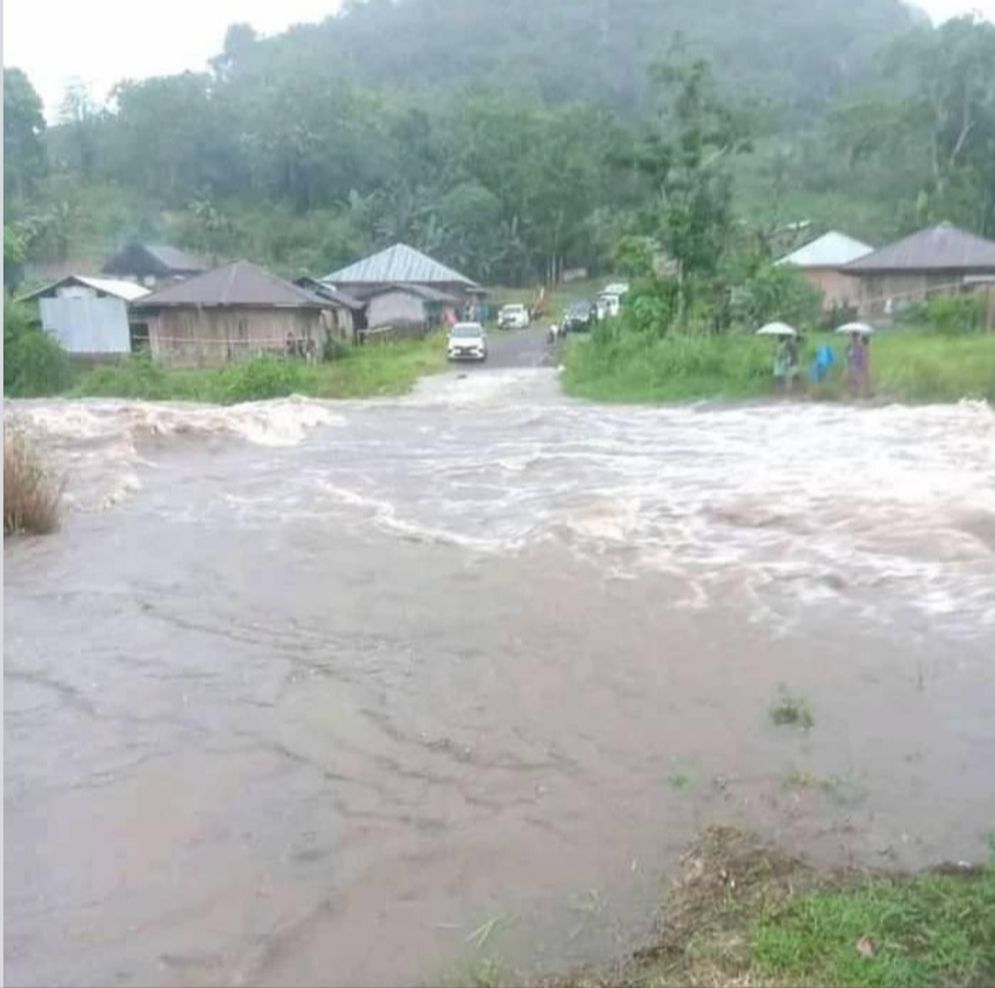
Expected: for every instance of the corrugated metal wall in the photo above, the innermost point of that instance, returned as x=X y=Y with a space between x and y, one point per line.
x=87 y=325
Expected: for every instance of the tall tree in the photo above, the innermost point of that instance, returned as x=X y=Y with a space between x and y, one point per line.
x=23 y=134
x=687 y=159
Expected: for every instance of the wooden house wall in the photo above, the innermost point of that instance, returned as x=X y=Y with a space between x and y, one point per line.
x=207 y=337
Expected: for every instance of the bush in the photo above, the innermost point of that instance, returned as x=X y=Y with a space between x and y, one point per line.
x=33 y=363
x=30 y=495
x=950 y=315
x=774 y=292
x=264 y=377
x=131 y=377
x=333 y=349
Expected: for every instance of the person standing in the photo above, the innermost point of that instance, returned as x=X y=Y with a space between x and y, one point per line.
x=781 y=364
x=858 y=357
x=794 y=356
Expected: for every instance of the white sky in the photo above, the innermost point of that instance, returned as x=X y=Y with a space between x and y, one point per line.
x=104 y=41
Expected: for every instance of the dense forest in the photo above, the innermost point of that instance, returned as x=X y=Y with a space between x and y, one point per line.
x=513 y=140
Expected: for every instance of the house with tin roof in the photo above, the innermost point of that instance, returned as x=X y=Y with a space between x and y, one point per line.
x=401 y=265
x=822 y=261
x=89 y=316
x=940 y=260
x=403 y=287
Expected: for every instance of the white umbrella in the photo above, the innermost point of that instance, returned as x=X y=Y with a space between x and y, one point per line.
x=856 y=327
x=776 y=329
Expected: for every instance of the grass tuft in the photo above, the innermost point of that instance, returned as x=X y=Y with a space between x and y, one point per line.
x=31 y=496
x=791 y=711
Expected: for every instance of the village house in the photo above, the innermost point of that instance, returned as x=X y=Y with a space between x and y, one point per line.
x=403 y=286
x=89 y=316
x=152 y=265
x=823 y=261
x=232 y=313
x=413 y=306
x=941 y=260
x=347 y=314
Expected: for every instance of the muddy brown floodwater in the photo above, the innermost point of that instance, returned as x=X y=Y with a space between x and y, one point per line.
x=359 y=693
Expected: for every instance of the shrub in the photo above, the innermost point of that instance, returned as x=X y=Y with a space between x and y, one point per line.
x=774 y=292
x=31 y=497
x=33 y=363
x=333 y=349
x=131 y=377
x=264 y=377
x=954 y=314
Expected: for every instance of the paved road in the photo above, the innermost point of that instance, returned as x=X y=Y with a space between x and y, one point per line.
x=517 y=348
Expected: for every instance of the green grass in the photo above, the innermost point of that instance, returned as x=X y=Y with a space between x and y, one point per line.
x=791 y=711
x=368 y=371
x=928 y=931
x=743 y=913
x=669 y=368
x=906 y=365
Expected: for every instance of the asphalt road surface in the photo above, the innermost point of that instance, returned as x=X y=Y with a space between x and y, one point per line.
x=518 y=348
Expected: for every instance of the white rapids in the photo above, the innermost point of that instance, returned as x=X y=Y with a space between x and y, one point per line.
x=771 y=504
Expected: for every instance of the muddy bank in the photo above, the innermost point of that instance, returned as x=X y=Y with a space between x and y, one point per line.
x=318 y=711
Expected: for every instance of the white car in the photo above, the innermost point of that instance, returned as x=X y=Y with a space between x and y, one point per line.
x=513 y=317
x=467 y=341
x=609 y=305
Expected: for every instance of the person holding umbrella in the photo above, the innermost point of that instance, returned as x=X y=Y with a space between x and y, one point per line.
x=858 y=357
x=786 y=354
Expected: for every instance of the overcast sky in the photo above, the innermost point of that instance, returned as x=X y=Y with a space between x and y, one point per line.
x=104 y=41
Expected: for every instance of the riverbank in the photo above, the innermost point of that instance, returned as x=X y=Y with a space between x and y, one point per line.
x=741 y=913
x=907 y=366
x=361 y=372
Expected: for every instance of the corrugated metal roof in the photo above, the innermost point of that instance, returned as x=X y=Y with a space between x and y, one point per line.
x=397 y=264
x=831 y=250
x=422 y=291
x=330 y=292
x=939 y=248
x=126 y=290
x=239 y=283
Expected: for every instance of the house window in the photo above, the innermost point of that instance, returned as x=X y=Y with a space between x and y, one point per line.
x=139 y=333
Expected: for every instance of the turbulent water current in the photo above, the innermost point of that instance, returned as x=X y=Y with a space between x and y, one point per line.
x=359 y=693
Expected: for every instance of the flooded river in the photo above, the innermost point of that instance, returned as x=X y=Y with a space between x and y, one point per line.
x=306 y=693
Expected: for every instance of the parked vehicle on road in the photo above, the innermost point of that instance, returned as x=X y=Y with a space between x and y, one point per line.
x=467 y=341
x=579 y=317
x=515 y=316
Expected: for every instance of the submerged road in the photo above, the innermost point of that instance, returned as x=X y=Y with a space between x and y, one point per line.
x=315 y=693
x=519 y=348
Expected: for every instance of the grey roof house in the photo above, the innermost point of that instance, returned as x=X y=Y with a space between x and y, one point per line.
x=937 y=260
x=400 y=265
x=230 y=313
